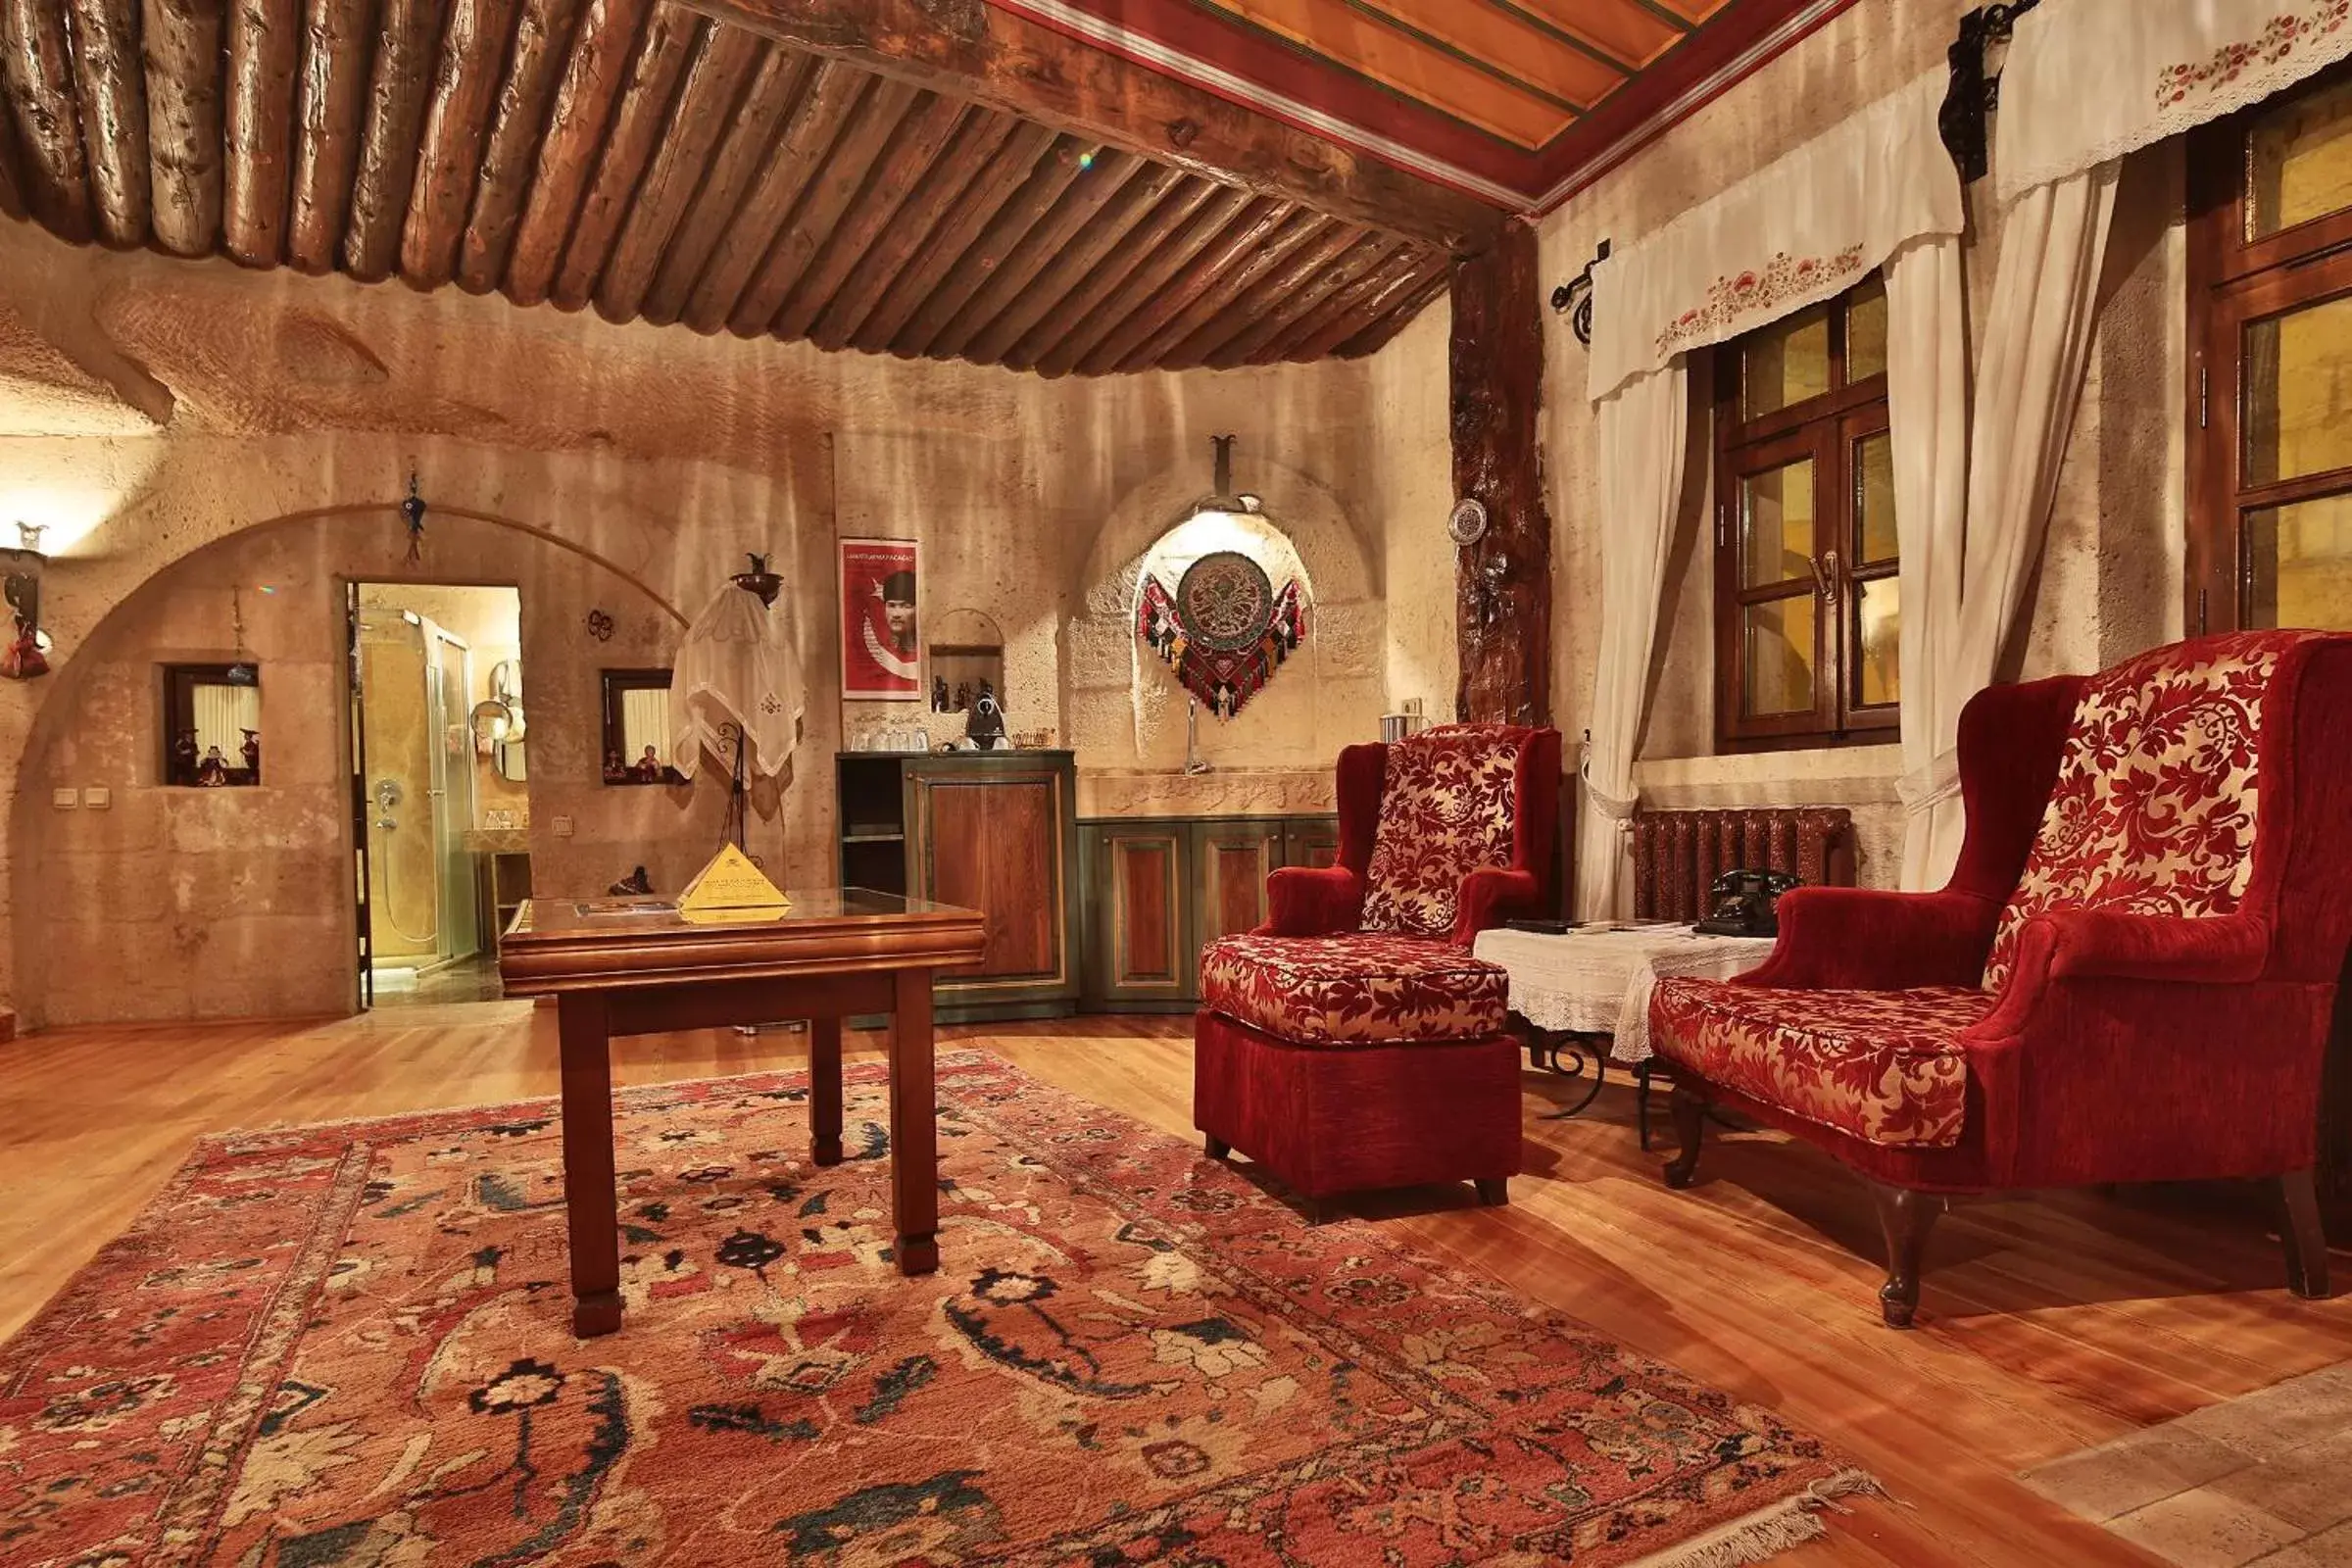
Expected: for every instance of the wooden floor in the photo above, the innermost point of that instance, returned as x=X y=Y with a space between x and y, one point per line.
x=2046 y=1326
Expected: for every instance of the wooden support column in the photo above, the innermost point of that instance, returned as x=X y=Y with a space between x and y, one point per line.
x=1503 y=584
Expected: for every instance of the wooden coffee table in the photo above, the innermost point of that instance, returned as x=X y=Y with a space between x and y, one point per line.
x=619 y=966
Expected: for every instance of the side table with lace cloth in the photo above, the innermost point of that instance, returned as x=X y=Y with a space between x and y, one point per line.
x=1574 y=985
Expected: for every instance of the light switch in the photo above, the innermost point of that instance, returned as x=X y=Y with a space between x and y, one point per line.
x=65 y=800
x=561 y=827
x=97 y=798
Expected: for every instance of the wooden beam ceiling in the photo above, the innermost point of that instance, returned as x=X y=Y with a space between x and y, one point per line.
x=970 y=193
x=1018 y=67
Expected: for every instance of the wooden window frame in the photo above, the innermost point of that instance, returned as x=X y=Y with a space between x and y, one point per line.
x=2233 y=282
x=1825 y=428
x=179 y=715
x=618 y=683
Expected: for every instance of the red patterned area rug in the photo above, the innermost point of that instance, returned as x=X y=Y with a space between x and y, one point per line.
x=341 y=1345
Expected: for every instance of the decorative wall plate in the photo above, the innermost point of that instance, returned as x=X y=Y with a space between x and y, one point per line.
x=1225 y=601
x=1466 y=524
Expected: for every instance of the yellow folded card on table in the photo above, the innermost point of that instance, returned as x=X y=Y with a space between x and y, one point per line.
x=731 y=888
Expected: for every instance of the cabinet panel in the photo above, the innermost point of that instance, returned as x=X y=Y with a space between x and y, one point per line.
x=1310 y=841
x=1232 y=861
x=1137 y=950
x=992 y=846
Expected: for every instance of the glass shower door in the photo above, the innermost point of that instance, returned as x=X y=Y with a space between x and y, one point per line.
x=448 y=676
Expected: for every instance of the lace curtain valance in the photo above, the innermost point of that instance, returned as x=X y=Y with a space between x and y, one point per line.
x=1800 y=230
x=2089 y=80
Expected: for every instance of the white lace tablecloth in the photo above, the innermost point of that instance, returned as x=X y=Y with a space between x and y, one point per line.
x=1598 y=982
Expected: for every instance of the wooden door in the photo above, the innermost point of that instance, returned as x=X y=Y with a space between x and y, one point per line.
x=992 y=843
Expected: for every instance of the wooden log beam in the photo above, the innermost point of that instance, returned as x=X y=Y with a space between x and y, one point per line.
x=265 y=40
x=407 y=43
x=109 y=81
x=918 y=140
x=593 y=75
x=38 y=71
x=544 y=32
x=970 y=49
x=824 y=199
x=1112 y=178
x=1053 y=289
x=778 y=81
x=1359 y=261
x=1198 y=297
x=833 y=94
x=1255 y=299
x=1503 y=584
x=1054 y=174
x=457 y=118
x=1347 y=303
x=182 y=49
x=1009 y=169
x=1244 y=232
x=670 y=40
x=1401 y=283
x=329 y=92
x=714 y=82
x=1144 y=263
x=977 y=139
x=1108 y=273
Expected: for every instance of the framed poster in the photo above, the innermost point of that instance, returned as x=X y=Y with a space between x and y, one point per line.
x=881 y=654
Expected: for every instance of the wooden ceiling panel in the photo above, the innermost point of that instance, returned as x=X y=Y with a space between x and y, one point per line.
x=1451 y=81
x=668 y=166
x=1633 y=33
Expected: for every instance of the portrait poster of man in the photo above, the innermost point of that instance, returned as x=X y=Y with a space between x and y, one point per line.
x=881 y=651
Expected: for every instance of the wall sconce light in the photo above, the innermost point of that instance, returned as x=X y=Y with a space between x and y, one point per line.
x=26 y=653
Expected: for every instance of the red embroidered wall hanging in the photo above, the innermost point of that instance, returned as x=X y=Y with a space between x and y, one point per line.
x=1225 y=629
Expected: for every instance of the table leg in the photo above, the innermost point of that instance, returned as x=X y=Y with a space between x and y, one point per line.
x=590 y=1204
x=824 y=1090
x=914 y=1126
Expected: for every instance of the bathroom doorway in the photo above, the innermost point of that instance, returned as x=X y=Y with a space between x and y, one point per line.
x=441 y=794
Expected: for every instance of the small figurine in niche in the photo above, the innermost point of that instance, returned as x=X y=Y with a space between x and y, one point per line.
x=985 y=727
x=184 y=755
x=617 y=771
x=252 y=752
x=939 y=694
x=963 y=697
x=649 y=769
x=213 y=771
x=636 y=884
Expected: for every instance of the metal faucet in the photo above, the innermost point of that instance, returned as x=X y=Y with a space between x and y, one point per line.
x=1194 y=762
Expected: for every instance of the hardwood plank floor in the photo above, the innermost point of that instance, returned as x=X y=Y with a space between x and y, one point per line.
x=2047 y=1325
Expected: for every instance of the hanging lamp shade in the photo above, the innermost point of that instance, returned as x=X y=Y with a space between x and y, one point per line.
x=737 y=667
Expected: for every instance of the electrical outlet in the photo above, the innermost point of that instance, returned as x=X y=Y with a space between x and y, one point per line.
x=97 y=798
x=561 y=828
x=65 y=800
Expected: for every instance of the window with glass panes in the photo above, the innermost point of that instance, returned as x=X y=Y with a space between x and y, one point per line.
x=2270 y=395
x=1806 y=600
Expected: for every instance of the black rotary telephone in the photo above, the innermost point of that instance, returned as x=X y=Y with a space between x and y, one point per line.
x=1743 y=903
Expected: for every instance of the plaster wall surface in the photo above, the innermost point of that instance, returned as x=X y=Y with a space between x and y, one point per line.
x=626 y=470
x=2110 y=582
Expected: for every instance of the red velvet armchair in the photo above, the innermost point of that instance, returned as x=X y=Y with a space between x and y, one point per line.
x=1353 y=1042
x=2129 y=978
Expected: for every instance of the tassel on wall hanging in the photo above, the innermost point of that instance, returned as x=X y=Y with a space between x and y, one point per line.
x=1224 y=630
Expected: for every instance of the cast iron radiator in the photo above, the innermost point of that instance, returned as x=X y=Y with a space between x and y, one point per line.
x=1679 y=855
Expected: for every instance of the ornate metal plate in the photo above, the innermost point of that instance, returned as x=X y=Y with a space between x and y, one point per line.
x=1466 y=525
x=1225 y=601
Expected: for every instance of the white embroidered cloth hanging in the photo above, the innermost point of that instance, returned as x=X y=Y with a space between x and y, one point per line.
x=736 y=667
x=2089 y=80
x=1802 y=228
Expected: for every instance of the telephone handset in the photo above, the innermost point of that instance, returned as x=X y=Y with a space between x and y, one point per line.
x=1744 y=903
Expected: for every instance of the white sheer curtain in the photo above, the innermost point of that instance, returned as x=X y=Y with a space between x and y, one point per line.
x=2036 y=347
x=1926 y=414
x=1644 y=431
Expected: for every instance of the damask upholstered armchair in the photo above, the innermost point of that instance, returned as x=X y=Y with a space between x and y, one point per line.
x=1353 y=1042
x=2129 y=978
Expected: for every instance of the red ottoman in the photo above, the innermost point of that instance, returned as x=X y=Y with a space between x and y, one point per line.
x=1341 y=1064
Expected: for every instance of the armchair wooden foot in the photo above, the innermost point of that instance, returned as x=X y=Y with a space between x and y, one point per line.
x=1218 y=1147
x=1905 y=1217
x=2306 y=1241
x=1495 y=1192
x=1688 y=1108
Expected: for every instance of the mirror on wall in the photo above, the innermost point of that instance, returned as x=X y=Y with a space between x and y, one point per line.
x=498 y=721
x=212 y=725
x=636 y=747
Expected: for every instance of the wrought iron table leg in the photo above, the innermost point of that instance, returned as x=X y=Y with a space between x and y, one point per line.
x=1551 y=1045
